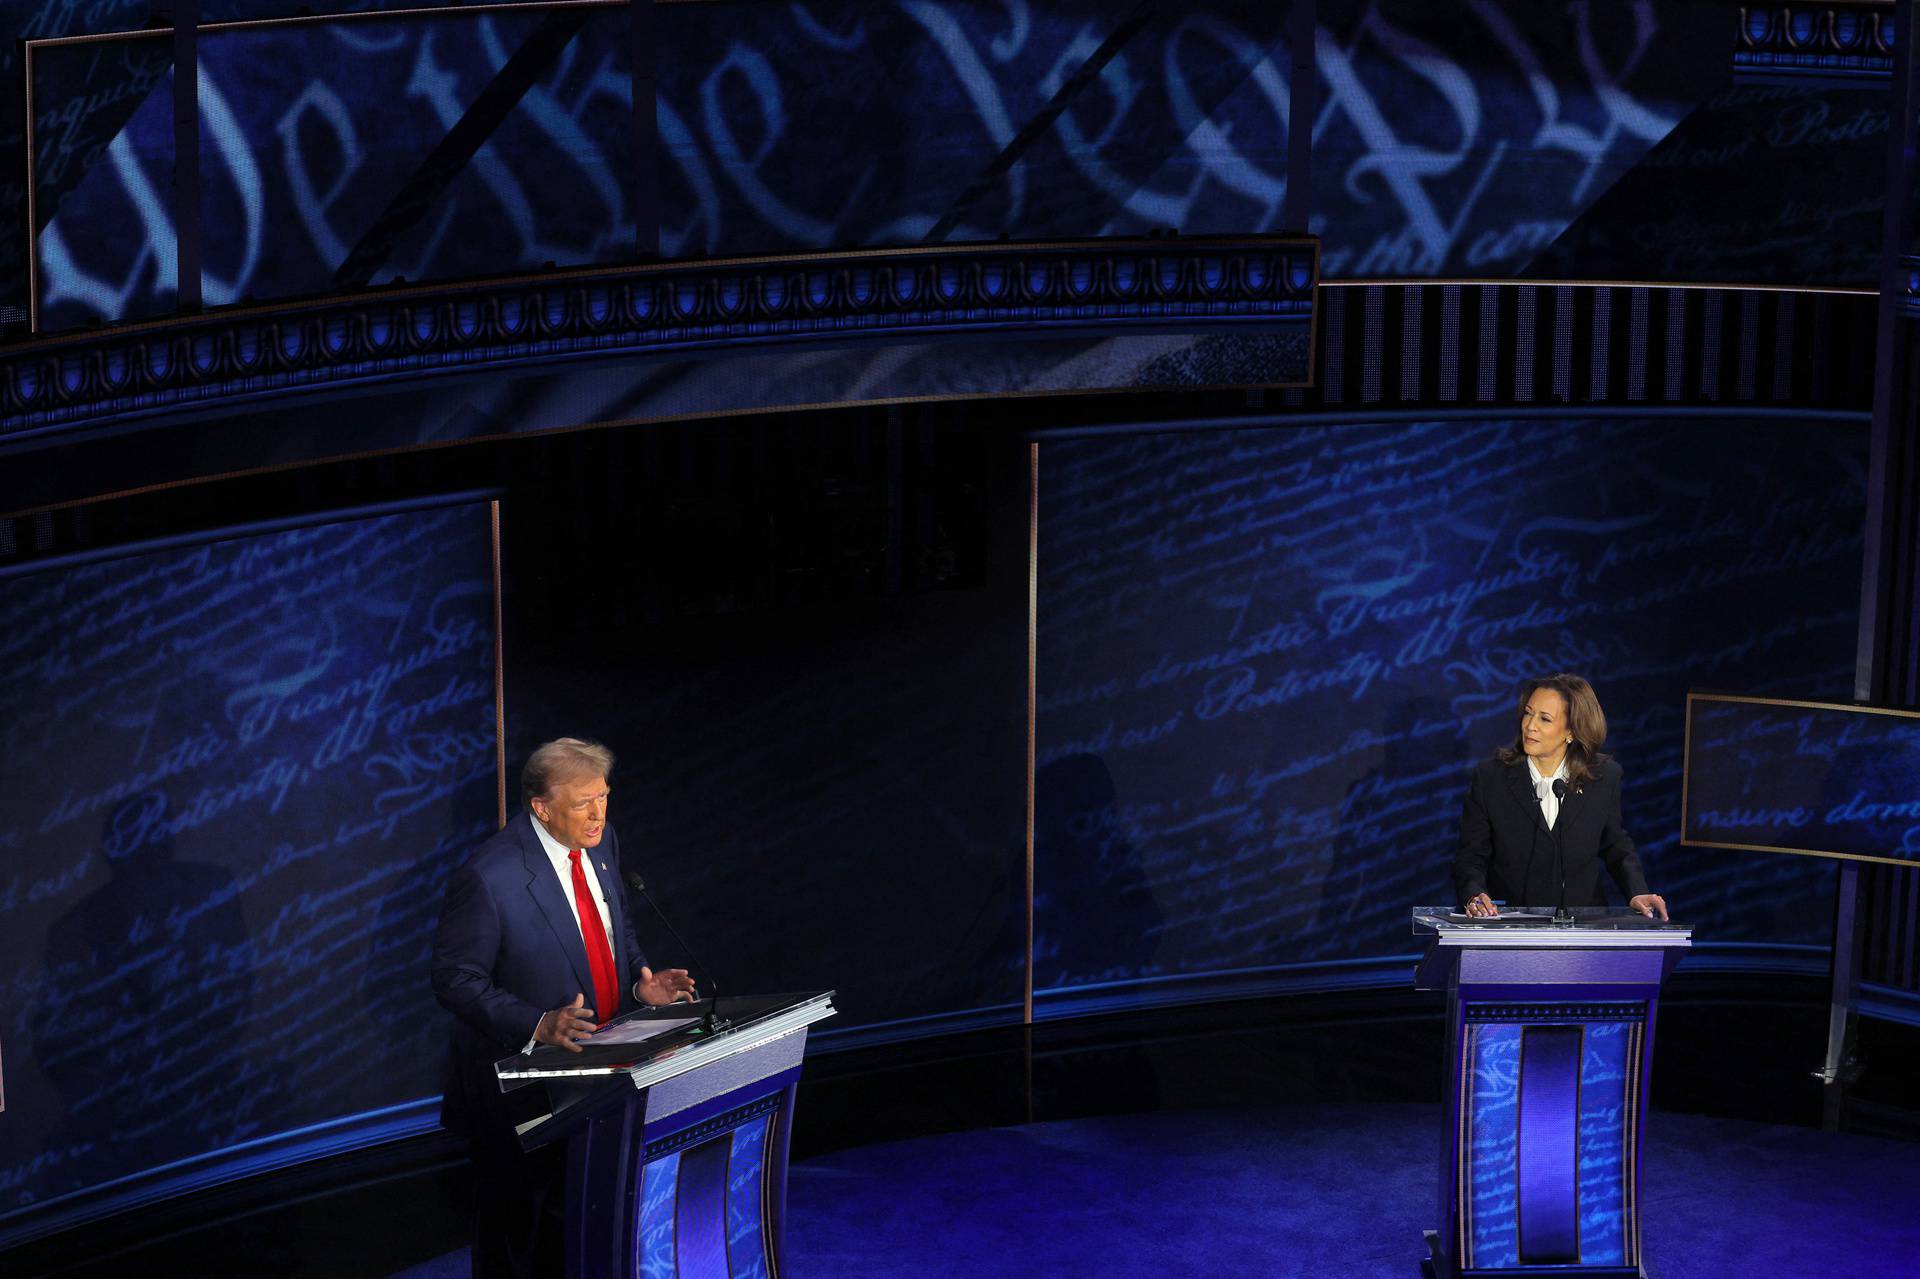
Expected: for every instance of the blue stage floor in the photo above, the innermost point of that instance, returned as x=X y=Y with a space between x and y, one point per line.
x=1320 y=1191
x=1313 y=1191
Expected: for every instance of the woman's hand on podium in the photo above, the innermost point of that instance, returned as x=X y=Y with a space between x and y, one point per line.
x=566 y=1026
x=1652 y=905
x=1482 y=907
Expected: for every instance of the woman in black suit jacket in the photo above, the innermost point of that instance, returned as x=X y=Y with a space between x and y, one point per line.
x=1543 y=815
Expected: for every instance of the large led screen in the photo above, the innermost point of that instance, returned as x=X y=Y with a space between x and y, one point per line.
x=1269 y=658
x=233 y=779
x=1771 y=775
x=1447 y=141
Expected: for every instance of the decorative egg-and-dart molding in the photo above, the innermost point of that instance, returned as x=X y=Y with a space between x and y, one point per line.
x=1823 y=39
x=678 y=308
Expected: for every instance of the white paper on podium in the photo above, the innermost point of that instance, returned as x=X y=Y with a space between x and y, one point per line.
x=637 y=1031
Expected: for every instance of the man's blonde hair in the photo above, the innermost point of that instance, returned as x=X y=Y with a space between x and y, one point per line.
x=565 y=759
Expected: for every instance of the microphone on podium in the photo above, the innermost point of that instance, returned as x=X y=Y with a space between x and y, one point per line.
x=1561 y=915
x=713 y=1020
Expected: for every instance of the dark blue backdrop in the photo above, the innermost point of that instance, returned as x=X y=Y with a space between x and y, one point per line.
x=232 y=779
x=1268 y=659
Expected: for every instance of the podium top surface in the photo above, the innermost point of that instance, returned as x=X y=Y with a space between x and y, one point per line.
x=1532 y=927
x=629 y=1046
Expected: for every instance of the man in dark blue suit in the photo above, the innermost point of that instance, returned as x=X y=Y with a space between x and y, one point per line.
x=535 y=946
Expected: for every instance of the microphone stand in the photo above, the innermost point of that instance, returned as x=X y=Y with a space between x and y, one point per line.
x=713 y=1022
x=1561 y=915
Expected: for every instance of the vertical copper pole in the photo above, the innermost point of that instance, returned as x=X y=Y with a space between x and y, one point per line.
x=1033 y=650
x=1302 y=108
x=186 y=154
x=33 y=209
x=499 y=670
x=644 y=42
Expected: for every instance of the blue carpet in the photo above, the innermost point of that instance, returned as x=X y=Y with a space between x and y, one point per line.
x=1321 y=1191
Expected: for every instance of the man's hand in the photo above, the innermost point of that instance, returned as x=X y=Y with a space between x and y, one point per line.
x=1482 y=907
x=668 y=986
x=1651 y=905
x=565 y=1026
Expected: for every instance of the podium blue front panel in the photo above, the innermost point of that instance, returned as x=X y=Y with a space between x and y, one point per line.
x=706 y=1209
x=656 y=1217
x=1609 y=1091
x=1547 y=1145
x=746 y=1200
x=1491 y=1221
x=700 y=1211
x=1546 y=1159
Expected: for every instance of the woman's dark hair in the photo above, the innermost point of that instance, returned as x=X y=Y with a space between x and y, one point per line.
x=1585 y=720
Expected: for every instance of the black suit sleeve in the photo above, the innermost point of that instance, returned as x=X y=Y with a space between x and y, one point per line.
x=1476 y=843
x=1616 y=848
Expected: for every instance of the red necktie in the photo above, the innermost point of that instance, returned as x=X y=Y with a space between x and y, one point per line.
x=606 y=987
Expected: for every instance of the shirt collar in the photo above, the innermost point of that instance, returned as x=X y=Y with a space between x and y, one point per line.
x=557 y=852
x=1533 y=771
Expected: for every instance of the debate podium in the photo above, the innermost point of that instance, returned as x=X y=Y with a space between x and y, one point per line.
x=1549 y=1042
x=676 y=1137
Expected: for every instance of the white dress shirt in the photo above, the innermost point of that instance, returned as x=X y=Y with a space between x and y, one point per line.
x=1543 y=788
x=557 y=853
x=560 y=855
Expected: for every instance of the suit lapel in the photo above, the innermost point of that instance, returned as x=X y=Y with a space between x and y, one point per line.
x=606 y=865
x=1570 y=806
x=544 y=886
x=1522 y=787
